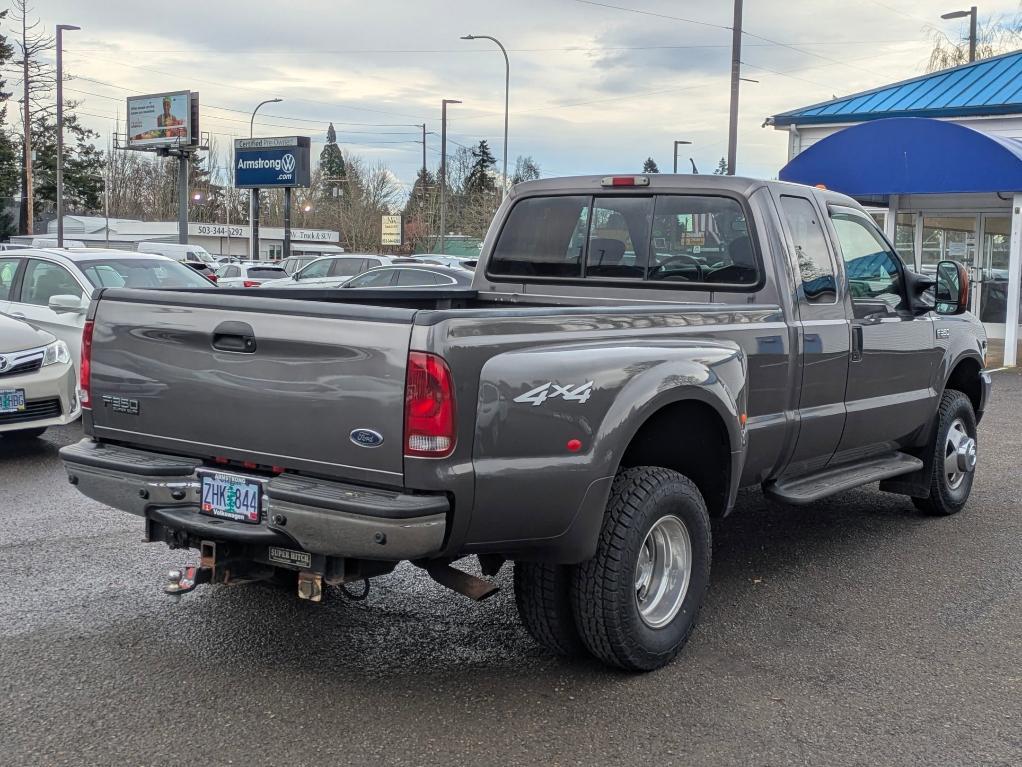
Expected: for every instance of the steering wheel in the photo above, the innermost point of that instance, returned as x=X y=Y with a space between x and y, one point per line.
x=683 y=258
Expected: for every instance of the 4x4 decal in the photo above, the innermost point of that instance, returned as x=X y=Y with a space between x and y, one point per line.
x=569 y=393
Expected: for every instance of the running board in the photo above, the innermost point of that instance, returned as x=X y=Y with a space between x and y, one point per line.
x=835 y=479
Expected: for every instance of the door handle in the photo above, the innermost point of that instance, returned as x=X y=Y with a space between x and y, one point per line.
x=234 y=337
x=856 y=343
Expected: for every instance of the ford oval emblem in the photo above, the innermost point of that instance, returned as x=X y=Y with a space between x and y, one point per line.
x=366 y=438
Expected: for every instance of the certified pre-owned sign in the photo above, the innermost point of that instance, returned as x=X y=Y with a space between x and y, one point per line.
x=271 y=162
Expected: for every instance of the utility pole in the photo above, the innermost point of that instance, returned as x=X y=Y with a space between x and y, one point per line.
x=736 y=74
x=971 y=13
x=443 y=171
x=424 y=157
x=61 y=28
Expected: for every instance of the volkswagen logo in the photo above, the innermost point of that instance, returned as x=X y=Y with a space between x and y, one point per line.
x=287 y=163
x=4 y=363
x=366 y=438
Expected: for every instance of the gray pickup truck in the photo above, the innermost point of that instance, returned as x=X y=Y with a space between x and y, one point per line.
x=633 y=350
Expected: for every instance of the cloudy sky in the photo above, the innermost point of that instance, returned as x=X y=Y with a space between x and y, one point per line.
x=595 y=87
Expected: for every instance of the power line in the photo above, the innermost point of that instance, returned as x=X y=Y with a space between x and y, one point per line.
x=656 y=15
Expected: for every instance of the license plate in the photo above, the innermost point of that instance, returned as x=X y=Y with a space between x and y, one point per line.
x=290 y=557
x=229 y=496
x=12 y=400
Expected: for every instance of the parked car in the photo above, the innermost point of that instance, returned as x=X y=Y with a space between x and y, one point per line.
x=292 y=264
x=411 y=276
x=179 y=252
x=51 y=288
x=331 y=271
x=207 y=271
x=634 y=351
x=248 y=275
x=38 y=385
x=458 y=262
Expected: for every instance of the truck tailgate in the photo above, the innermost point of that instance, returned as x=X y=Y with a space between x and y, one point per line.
x=277 y=382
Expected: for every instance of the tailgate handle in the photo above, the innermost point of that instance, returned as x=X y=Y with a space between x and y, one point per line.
x=234 y=336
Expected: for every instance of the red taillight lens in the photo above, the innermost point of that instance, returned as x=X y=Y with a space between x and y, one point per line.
x=429 y=407
x=85 y=373
x=250 y=283
x=212 y=278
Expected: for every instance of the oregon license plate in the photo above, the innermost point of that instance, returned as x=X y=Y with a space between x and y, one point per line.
x=229 y=496
x=12 y=400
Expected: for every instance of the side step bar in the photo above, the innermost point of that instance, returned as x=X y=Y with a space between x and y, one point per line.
x=835 y=479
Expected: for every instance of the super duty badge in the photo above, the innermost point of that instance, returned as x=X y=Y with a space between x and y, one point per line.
x=121 y=404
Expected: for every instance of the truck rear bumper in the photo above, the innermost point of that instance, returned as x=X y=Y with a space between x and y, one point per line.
x=317 y=516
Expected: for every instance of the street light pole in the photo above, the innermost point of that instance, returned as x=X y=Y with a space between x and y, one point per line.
x=443 y=171
x=61 y=28
x=507 y=90
x=253 y=203
x=971 y=13
x=676 y=145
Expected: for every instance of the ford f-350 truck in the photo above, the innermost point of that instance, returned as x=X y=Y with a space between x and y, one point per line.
x=633 y=350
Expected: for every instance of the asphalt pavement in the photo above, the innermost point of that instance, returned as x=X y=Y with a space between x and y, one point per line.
x=852 y=632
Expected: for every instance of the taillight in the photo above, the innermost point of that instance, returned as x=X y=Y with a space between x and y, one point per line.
x=212 y=278
x=250 y=283
x=429 y=407
x=625 y=181
x=85 y=373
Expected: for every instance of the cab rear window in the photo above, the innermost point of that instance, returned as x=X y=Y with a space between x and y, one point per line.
x=693 y=239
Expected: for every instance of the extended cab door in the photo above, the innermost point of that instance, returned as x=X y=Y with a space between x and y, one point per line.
x=889 y=395
x=823 y=336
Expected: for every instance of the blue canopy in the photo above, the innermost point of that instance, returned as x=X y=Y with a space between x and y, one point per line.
x=909 y=155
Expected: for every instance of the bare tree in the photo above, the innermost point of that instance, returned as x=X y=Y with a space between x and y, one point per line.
x=993 y=37
x=38 y=83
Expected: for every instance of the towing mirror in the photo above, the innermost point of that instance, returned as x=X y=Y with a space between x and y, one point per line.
x=952 y=291
x=65 y=304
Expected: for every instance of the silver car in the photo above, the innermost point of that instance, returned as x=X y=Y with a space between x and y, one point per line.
x=248 y=275
x=38 y=386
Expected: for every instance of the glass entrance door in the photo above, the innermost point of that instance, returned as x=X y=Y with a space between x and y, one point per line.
x=991 y=282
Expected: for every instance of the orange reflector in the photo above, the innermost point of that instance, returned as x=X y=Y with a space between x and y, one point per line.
x=743 y=418
x=249 y=464
x=821 y=186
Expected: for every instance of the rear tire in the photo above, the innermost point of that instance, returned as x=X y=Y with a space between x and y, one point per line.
x=543 y=597
x=950 y=484
x=636 y=601
x=25 y=433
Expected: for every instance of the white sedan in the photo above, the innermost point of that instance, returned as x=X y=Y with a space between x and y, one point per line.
x=51 y=288
x=38 y=385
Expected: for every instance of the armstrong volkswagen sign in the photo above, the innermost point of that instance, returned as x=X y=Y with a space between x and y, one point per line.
x=265 y=163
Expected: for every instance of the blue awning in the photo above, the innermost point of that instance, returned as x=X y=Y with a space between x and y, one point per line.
x=909 y=155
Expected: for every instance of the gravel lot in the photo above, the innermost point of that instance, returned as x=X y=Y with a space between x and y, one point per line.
x=852 y=632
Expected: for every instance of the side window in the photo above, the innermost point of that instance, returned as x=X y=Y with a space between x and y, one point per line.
x=8 y=268
x=543 y=237
x=410 y=277
x=380 y=279
x=814 y=263
x=874 y=271
x=316 y=269
x=619 y=237
x=232 y=271
x=701 y=239
x=43 y=280
x=346 y=267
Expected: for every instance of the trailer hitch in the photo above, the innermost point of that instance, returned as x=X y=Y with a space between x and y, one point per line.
x=182 y=581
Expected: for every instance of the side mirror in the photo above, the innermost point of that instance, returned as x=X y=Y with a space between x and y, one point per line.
x=952 y=291
x=65 y=304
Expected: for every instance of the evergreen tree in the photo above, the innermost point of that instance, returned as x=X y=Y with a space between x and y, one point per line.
x=83 y=165
x=721 y=168
x=331 y=159
x=650 y=166
x=479 y=177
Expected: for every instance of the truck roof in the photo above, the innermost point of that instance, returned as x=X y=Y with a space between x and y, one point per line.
x=742 y=185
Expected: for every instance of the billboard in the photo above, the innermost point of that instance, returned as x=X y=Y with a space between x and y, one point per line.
x=267 y=163
x=160 y=120
x=390 y=230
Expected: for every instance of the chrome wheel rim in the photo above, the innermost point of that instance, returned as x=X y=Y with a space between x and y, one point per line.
x=959 y=454
x=663 y=571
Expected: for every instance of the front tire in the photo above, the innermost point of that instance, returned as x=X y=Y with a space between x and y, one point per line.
x=954 y=457
x=636 y=601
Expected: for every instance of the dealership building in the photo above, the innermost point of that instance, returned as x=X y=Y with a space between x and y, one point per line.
x=938 y=161
x=217 y=239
